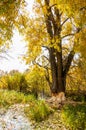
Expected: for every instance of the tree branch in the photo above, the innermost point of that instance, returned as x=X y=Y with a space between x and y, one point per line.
x=71 y=34
x=64 y=22
x=61 y=14
x=52 y=5
x=68 y=64
x=45 y=67
x=46 y=57
x=48 y=79
x=46 y=47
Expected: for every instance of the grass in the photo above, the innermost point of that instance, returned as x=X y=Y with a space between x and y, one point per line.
x=74 y=117
x=8 y=98
x=38 y=110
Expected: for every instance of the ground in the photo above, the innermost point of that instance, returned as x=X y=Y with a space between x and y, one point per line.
x=14 y=118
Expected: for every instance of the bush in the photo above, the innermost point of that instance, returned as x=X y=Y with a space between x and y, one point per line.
x=79 y=98
x=38 y=110
x=17 y=82
x=8 y=98
x=76 y=96
x=74 y=117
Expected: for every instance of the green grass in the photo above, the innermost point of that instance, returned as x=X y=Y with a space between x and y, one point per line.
x=8 y=98
x=74 y=117
x=76 y=96
x=38 y=110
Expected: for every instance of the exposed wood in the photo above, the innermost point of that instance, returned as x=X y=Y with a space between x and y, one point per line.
x=57 y=100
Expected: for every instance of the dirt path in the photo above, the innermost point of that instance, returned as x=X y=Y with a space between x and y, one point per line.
x=14 y=118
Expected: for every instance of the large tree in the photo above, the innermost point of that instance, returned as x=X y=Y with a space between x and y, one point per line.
x=59 y=26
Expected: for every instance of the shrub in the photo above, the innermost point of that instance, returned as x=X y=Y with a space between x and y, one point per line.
x=76 y=96
x=17 y=82
x=79 y=98
x=8 y=98
x=74 y=117
x=38 y=110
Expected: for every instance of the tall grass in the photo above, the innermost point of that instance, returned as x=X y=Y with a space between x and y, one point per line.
x=38 y=110
x=74 y=117
x=8 y=98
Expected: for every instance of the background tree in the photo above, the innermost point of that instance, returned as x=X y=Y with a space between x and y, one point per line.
x=14 y=80
x=37 y=83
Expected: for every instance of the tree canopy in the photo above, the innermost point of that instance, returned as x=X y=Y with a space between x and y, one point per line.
x=10 y=12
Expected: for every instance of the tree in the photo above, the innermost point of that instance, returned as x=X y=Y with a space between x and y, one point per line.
x=37 y=81
x=14 y=80
x=57 y=26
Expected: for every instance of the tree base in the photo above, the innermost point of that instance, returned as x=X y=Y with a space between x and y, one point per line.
x=57 y=98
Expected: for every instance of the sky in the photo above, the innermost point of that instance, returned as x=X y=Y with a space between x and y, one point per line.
x=13 y=62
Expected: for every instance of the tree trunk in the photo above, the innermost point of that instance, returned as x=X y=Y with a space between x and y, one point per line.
x=61 y=83
x=59 y=72
x=58 y=79
x=54 y=87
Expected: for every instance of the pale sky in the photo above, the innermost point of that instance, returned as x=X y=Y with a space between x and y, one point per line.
x=17 y=49
x=13 y=61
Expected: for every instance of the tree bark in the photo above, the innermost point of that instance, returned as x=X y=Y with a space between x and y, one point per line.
x=54 y=87
x=53 y=25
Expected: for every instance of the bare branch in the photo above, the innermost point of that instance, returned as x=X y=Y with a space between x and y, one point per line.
x=64 y=22
x=71 y=34
x=46 y=47
x=6 y=55
x=39 y=64
x=45 y=67
x=52 y=5
x=65 y=48
x=46 y=58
